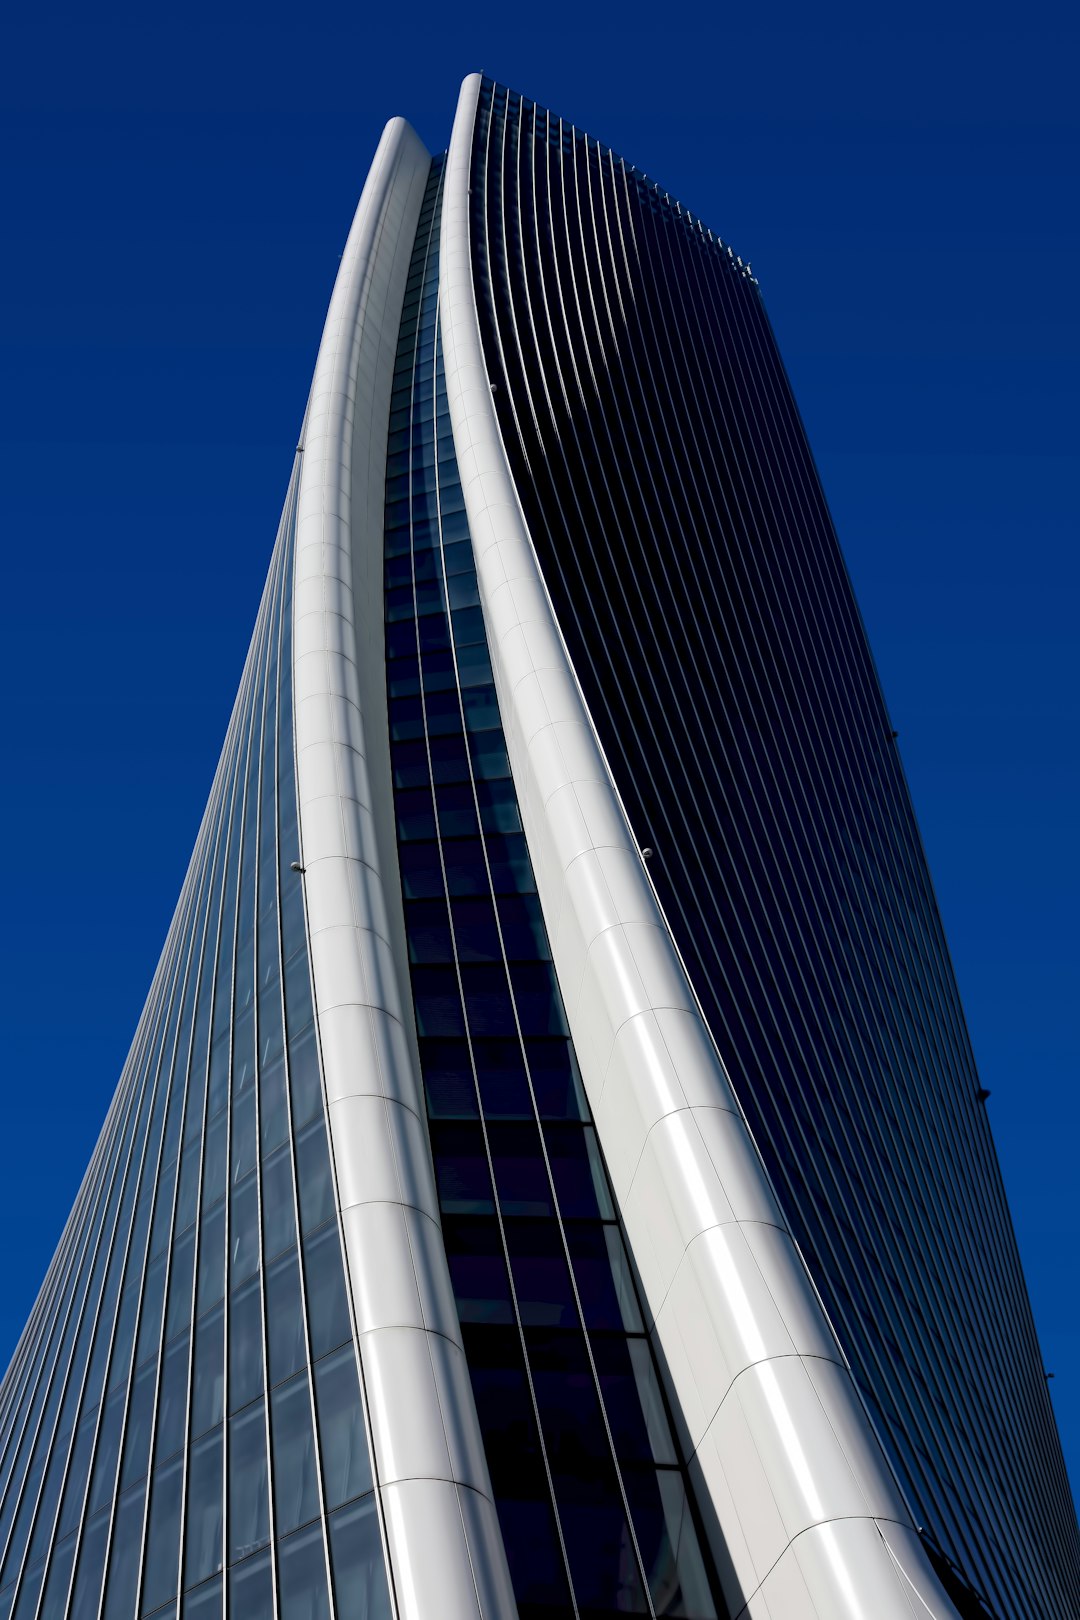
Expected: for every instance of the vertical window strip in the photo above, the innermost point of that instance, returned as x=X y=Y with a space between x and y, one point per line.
x=34 y=1481
x=196 y=1105
x=90 y=1572
x=432 y=591
x=85 y=1315
x=415 y=360
x=36 y=1360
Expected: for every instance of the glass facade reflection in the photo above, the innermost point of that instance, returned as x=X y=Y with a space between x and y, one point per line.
x=181 y=1425
x=233 y=1399
x=589 y=1486
x=669 y=490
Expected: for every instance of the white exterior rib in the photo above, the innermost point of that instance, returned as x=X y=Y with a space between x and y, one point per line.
x=803 y=1516
x=446 y=1554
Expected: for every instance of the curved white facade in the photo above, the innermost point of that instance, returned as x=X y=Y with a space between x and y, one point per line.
x=443 y=1542
x=807 y=1518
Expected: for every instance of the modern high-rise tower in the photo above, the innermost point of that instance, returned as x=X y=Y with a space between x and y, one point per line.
x=550 y=1175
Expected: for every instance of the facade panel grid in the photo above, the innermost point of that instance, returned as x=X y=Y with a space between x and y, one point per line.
x=591 y=1493
x=182 y=1421
x=682 y=531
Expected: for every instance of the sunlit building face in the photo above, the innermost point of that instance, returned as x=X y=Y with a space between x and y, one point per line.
x=550 y=1177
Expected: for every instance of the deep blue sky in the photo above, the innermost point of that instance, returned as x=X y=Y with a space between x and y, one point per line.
x=178 y=186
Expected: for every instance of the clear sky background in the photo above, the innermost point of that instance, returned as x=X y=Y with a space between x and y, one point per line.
x=177 y=187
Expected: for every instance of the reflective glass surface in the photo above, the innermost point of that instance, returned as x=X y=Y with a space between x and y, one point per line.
x=677 y=514
x=589 y=1486
x=182 y=1416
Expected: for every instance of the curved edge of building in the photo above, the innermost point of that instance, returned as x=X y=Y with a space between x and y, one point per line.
x=802 y=1511
x=444 y=1547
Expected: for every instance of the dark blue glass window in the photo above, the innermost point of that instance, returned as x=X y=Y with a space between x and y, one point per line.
x=521 y=1182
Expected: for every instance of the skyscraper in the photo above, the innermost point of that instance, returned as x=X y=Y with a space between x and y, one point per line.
x=549 y=1176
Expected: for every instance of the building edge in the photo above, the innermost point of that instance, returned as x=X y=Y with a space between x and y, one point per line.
x=801 y=1508
x=443 y=1543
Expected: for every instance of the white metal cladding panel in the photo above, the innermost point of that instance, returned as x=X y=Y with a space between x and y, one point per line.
x=797 y=1496
x=445 y=1547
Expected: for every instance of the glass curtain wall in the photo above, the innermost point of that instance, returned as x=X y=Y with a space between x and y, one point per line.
x=181 y=1430
x=591 y=1493
x=681 y=527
